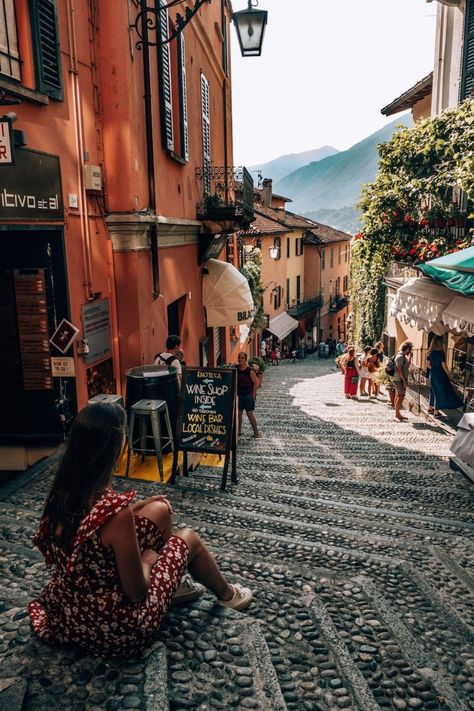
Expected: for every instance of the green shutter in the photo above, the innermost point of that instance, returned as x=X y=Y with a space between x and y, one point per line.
x=46 y=47
x=467 y=77
x=183 y=100
x=166 y=95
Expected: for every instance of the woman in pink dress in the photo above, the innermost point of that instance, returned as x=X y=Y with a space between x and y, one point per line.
x=116 y=565
x=350 y=368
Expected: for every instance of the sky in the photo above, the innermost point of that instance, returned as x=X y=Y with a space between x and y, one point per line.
x=327 y=68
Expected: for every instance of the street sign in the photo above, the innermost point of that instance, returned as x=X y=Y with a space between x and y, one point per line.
x=64 y=336
x=7 y=153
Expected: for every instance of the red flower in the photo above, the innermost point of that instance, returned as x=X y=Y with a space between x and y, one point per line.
x=434 y=248
x=412 y=252
x=424 y=222
x=407 y=218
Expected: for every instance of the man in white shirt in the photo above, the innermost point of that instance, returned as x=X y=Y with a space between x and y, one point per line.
x=170 y=357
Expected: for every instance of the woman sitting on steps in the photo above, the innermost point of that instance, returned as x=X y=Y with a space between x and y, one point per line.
x=117 y=565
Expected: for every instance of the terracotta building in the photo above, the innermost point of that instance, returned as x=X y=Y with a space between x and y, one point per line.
x=122 y=188
x=304 y=273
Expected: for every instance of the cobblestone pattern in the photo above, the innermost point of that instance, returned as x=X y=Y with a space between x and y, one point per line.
x=357 y=539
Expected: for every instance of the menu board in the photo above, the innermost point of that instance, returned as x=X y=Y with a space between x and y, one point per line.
x=207 y=410
x=33 y=330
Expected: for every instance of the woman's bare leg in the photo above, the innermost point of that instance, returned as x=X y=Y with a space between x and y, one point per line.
x=203 y=566
x=158 y=512
x=253 y=421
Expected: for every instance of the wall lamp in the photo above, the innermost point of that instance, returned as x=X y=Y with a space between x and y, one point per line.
x=249 y=24
x=250 y=27
x=274 y=252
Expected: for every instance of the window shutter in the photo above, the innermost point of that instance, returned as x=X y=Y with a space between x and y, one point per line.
x=467 y=77
x=183 y=99
x=167 y=134
x=9 y=57
x=206 y=133
x=46 y=47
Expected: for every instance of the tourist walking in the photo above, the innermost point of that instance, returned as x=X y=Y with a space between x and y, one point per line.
x=400 y=376
x=170 y=356
x=442 y=393
x=117 y=567
x=373 y=365
x=350 y=368
x=365 y=382
x=247 y=386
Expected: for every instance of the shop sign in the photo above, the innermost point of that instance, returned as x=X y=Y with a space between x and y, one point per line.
x=64 y=336
x=96 y=320
x=7 y=155
x=62 y=367
x=31 y=188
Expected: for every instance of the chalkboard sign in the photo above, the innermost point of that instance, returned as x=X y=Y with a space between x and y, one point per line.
x=206 y=419
x=207 y=410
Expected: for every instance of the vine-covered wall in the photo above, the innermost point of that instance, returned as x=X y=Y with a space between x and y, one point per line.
x=419 y=207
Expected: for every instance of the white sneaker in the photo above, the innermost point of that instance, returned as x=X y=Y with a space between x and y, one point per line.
x=187 y=590
x=240 y=600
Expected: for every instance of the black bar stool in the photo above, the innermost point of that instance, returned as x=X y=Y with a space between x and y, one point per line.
x=152 y=410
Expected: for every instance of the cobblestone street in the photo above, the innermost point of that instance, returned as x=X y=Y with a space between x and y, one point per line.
x=356 y=538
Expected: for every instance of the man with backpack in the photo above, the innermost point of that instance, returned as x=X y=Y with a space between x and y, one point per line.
x=170 y=356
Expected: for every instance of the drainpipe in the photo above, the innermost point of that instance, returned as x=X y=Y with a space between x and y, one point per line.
x=79 y=136
x=224 y=95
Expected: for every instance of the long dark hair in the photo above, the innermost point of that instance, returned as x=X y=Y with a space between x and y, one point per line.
x=93 y=447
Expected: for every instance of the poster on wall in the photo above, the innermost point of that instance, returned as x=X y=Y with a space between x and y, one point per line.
x=100 y=379
x=96 y=320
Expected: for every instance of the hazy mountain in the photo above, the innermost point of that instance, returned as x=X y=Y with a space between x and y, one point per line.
x=333 y=184
x=279 y=167
x=345 y=219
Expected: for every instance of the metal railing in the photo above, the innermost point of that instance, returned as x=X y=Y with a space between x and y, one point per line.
x=305 y=307
x=226 y=194
x=338 y=303
x=460 y=367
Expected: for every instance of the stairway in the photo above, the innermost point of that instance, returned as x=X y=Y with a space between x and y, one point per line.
x=356 y=538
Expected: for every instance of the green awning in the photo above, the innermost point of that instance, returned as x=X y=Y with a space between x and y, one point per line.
x=455 y=271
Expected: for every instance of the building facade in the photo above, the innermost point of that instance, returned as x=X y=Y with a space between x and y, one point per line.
x=120 y=141
x=304 y=274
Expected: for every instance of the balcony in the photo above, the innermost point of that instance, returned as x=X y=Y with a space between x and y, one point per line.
x=226 y=203
x=304 y=308
x=337 y=303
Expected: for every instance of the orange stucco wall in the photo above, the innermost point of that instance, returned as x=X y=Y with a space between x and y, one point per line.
x=101 y=121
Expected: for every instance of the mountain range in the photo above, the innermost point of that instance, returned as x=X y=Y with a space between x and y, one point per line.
x=284 y=165
x=327 y=189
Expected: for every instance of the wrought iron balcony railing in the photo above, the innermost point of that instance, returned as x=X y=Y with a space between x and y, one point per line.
x=305 y=307
x=338 y=303
x=226 y=196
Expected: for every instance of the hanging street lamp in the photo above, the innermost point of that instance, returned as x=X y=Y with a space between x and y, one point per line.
x=250 y=27
x=274 y=252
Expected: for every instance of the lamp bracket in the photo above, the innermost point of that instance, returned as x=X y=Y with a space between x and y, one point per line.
x=148 y=20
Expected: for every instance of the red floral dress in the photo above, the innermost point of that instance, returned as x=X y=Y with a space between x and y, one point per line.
x=84 y=602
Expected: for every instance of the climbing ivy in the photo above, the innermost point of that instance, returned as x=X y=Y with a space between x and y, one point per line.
x=414 y=210
x=252 y=271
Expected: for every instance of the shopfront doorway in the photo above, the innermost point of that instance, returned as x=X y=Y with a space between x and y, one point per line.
x=35 y=407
